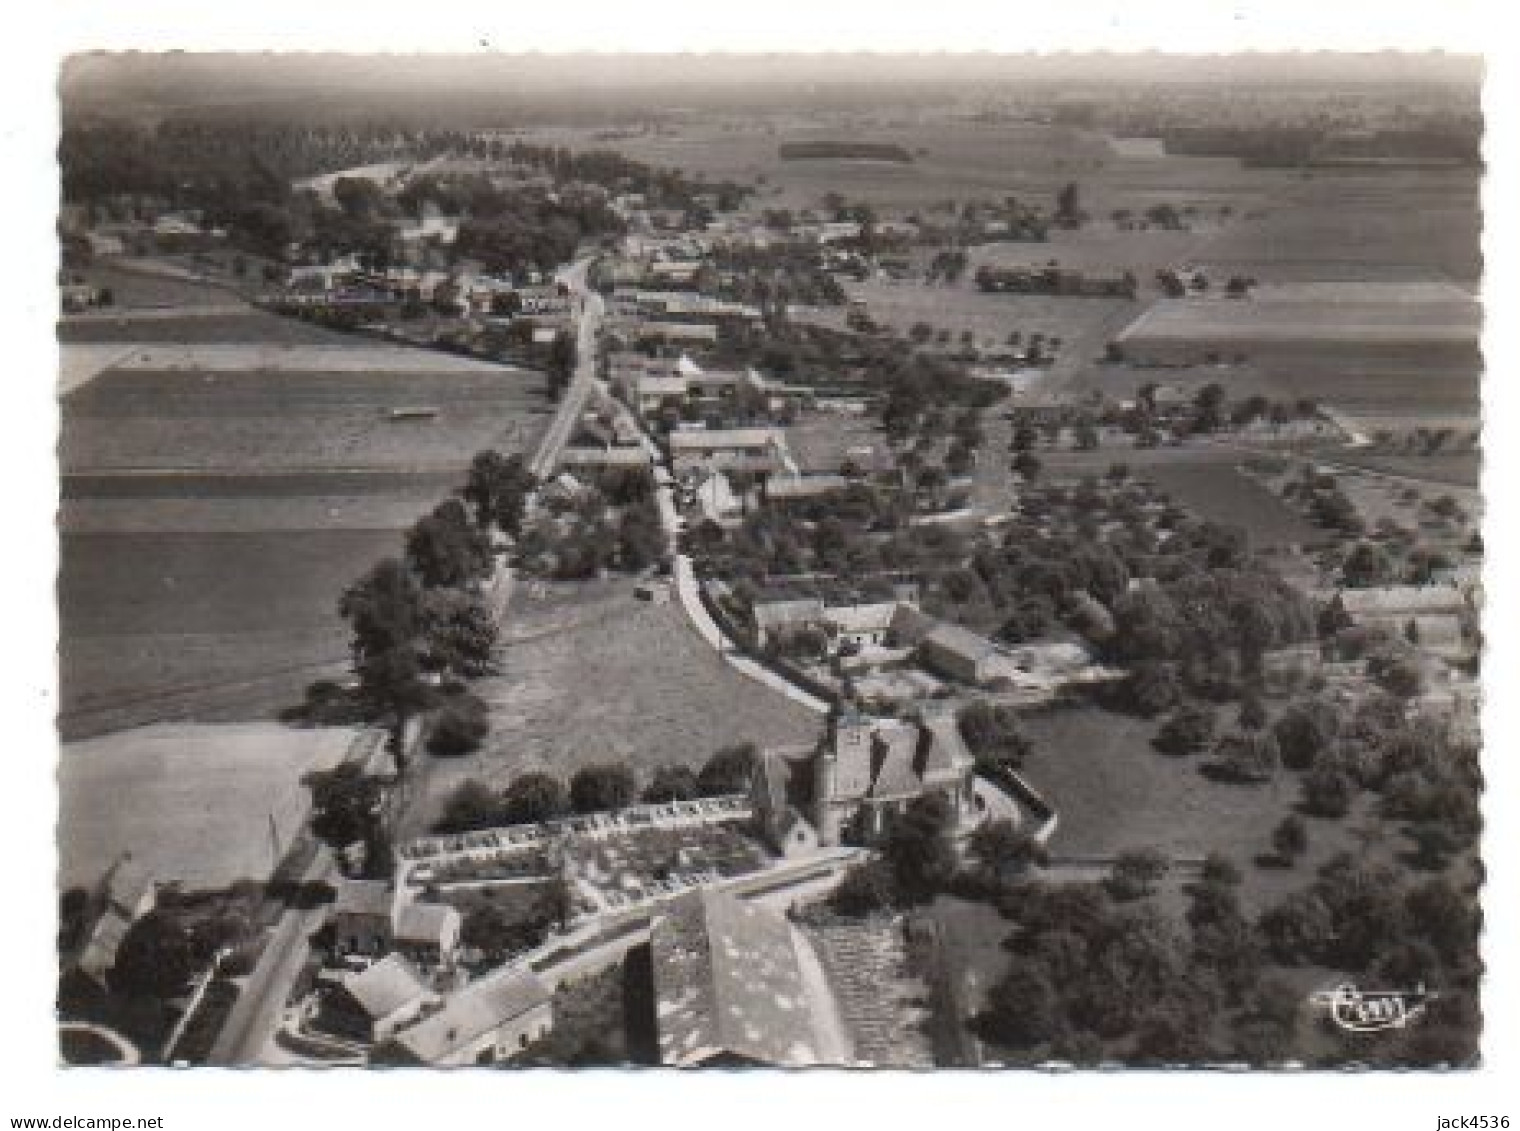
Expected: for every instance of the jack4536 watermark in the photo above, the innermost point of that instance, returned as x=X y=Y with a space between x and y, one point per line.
x=1477 y=1122
x=1373 y=1011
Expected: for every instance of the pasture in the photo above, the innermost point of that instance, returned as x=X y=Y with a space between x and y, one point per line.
x=590 y=674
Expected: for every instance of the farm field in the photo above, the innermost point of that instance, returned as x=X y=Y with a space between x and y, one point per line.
x=162 y=794
x=201 y=624
x=1114 y=792
x=1220 y=493
x=1456 y=469
x=954 y=157
x=253 y=326
x=295 y=419
x=590 y=674
x=224 y=479
x=144 y=290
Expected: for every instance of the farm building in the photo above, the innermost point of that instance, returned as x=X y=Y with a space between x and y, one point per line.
x=489 y=1020
x=860 y=780
x=958 y=653
x=373 y=1005
x=361 y=917
x=428 y=934
x=1437 y=322
x=127 y=893
x=730 y=988
x=759 y=449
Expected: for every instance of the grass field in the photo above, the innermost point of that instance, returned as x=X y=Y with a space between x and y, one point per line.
x=178 y=798
x=590 y=674
x=1114 y=792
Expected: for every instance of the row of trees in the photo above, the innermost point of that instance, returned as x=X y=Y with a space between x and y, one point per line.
x=536 y=796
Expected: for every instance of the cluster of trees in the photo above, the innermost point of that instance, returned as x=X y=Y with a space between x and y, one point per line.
x=238 y=174
x=420 y=625
x=1204 y=630
x=610 y=523
x=536 y=796
x=1101 y=975
x=1370 y=919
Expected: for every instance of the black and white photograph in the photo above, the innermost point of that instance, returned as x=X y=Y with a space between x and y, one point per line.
x=785 y=559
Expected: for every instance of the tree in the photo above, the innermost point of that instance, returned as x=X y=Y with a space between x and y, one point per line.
x=1366 y=567
x=1220 y=871
x=1297 y=930
x=1266 y=1030
x=602 y=788
x=384 y=611
x=1304 y=733
x=866 y=889
x=497 y=487
x=459 y=632
x=1006 y=852
x=473 y=805
x=345 y=804
x=444 y=550
x=459 y=726
x=1252 y=714
x=671 y=783
x=156 y=958
x=1023 y=1008
x=1290 y=839
x=1136 y=873
x=1187 y=730
x=1069 y=212
x=1152 y=688
x=1027 y=465
x=560 y=365
x=1327 y=792
x=919 y=850
x=728 y=771
x=992 y=734
x=1247 y=756
x=534 y=798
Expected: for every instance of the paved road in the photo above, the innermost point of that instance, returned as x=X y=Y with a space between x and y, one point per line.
x=589 y=308
x=257 y=1013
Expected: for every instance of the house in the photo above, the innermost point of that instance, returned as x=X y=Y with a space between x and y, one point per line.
x=729 y=449
x=489 y=1020
x=372 y=1006
x=1433 y=617
x=127 y=893
x=428 y=934
x=960 y=654
x=863 y=625
x=861 y=778
x=361 y=918
x=729 y=987
x=776 y=619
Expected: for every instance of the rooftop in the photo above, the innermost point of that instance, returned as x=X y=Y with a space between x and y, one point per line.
x=728 y=980
x=385 y=987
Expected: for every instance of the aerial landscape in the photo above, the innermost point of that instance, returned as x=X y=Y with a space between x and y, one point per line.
x=770 y=562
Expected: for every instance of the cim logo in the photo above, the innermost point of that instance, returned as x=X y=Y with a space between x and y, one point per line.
x=1371 y=1011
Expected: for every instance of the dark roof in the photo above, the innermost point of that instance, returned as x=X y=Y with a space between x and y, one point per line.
x=363 y=897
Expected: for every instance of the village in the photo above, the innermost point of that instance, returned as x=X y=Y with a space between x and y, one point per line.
x=1082 y=607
